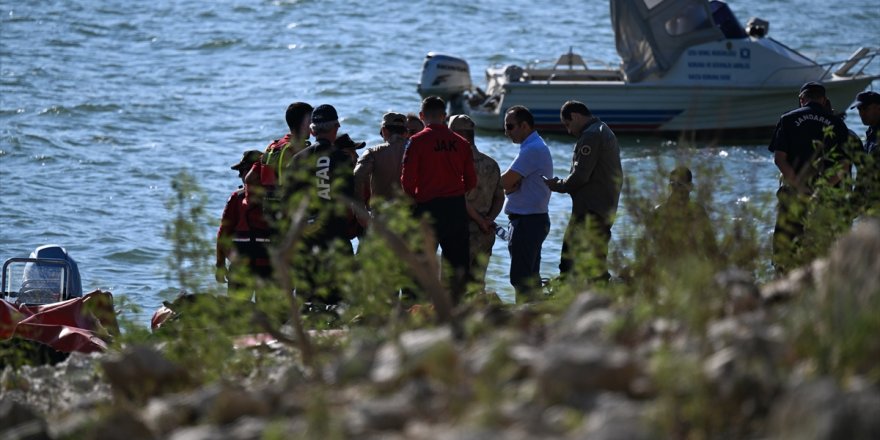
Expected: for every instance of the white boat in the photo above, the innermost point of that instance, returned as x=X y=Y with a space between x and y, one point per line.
x=686 y=65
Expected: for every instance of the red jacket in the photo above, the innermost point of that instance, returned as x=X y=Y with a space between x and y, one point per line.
x=437 y=163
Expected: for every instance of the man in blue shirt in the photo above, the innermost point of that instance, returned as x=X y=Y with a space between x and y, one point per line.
x=528 y=198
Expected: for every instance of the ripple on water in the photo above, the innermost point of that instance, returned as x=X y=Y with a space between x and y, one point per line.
x=137 y=255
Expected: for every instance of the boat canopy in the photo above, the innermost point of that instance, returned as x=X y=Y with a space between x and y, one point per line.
x=650 y=35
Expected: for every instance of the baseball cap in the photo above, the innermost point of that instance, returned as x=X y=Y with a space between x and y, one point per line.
x=867 y=98
x=392 y=119
x=811 y=87
x=345 y=141
x=461 y=122
x=248 y=158
x=324 y=113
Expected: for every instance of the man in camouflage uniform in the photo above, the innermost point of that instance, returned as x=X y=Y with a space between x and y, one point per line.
x=377 y=173
x=483 y=202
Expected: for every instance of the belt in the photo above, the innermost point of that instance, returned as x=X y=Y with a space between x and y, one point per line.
x=248 y=240
x=518 y=216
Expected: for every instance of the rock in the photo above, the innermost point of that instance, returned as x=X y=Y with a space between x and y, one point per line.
x=569 y=371
x=429 y=350
x=821 y=411
x=121 y=424
x=20 y=422
x=163 y=415
x=740 y=291
x=794 y=283
x=203 y=432
x=356 y=362
x=385 y=414
x=230 y=404
x=142 y=372
x=591 y=325
x=584 y=304
x=615 y=418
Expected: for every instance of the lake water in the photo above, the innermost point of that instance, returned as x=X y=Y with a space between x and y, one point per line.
x=101 y=102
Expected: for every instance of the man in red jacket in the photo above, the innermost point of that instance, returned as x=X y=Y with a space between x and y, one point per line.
x=438 y=169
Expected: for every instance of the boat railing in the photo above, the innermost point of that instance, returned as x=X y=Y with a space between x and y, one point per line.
x=861 y=59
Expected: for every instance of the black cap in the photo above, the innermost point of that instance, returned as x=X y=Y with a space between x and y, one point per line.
x=812 y=86
x=345 y=141
x=867 y=98
x=247 y=159
x=324 y=113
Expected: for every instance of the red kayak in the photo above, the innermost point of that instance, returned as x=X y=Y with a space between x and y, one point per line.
x=82 y=324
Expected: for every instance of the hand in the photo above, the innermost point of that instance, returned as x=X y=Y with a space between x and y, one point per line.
x=554 y=184
x=220 y=274
x=486 y=226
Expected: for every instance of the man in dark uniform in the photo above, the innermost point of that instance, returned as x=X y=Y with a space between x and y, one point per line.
x=438 y=169
x=807 y=146
x=868 y=161
x=324 y=173
x=594 y=185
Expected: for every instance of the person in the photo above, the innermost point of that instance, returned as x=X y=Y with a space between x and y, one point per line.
x=377 y=173
x=324 y=174
x=594 y=183
x=265 y=176
x=484 y=202
x=868 y=162
x=804 y=152
x=437 y=171
x=681 y=226
x=528 y=200
x=239 y=226
x=413 y=124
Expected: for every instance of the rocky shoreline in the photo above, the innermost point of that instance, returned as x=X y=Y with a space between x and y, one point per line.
x=585 y=373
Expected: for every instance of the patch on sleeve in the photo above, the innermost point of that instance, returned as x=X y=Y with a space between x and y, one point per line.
x=585 y=150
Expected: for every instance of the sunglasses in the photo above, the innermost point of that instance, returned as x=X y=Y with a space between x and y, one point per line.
x=509 y=126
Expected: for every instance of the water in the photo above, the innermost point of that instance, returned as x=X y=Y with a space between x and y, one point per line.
x=101 y=102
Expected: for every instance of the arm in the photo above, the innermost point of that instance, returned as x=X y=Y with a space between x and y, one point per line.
x=362 y=172
x=409 y=170
x=497 y=198
x=511 y=181
x=780 y=158
x=470 y=174
x=477 y=218
x=228 y=221
x=585 y=159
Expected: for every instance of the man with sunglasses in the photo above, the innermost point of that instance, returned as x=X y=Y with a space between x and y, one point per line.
x=594 y=184
x=528 y=199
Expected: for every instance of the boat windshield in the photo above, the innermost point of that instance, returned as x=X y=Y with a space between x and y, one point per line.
x=726 y=21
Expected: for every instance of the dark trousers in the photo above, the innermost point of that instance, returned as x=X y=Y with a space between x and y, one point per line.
x=450 y=221
x=789 y=230
x=589 y=234
x=526 y=238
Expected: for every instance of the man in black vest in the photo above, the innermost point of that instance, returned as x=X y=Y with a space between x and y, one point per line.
x=808 y=147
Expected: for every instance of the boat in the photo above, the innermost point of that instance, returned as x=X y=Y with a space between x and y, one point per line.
x=686 y=66
x=44 y=315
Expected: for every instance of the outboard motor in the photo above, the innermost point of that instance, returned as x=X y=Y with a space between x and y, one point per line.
x=445 y=76
x=44 y=282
